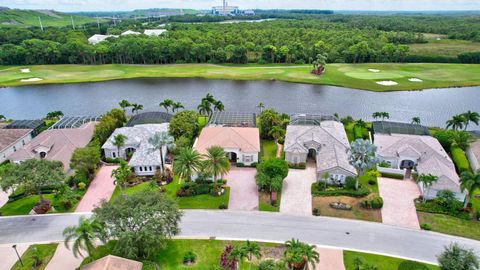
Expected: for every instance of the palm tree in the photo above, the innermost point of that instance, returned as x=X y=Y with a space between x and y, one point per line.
x=277 y=133
x=385 y=115
x=252 y=249
x=427 y=181
x=186 y=163
x=166 y=103
x=85 y=233
x=176 y=106
x=416 y=120
x=457 y=122
x=209 y=97
x=124 y=104
x=470 y=116
x=462 y=139
x=362 y=156
x=299 y=255
x=119 y=141
x=204 y=108
x=261 y=106
x=159 y=141
x=218 y=106
x=2 y=117
x=136 y=108
x=470 y=182
x=216 y=161
x=376 y=115
x=238 y=253
x=360 y=123
x=121 y=175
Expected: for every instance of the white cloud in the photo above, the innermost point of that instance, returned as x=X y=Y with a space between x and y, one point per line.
x=109 y=5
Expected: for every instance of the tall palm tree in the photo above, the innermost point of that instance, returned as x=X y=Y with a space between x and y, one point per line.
x=277 y=133
x=376 y=115
x=261 y=106
x=362 y=156
x=252 y=249
x=119 y=141
x=462 y=139
x=84 y=236
x=470 y=116
x=187 y=161
x=2 y=117
x=239 y=253
x=360 y=123
x=216 y=161
x=457 y=122
x=209 y=97
x=218 y=106
x=121 y=175
x=124 y=104
x=136 y=108
x=160 y=140
x=416 y=120
x=166 y=103
x=205 y=108
x=470 y=182
x=299 y=255
x=427 y=180
x=176 y=106
x=385 y=115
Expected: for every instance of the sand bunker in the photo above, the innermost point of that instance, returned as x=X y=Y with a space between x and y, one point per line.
x=415 y=80
x=25 y=70
x=31 y=80
x=374 y=70
x=387 y=83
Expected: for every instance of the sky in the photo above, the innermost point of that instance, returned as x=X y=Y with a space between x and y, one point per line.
x=121 y=5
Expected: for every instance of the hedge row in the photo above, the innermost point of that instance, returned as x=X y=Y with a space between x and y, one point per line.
x=393 y=175
x=359 y=193
x=301 y=165
x=460 y=159
x=21 y=195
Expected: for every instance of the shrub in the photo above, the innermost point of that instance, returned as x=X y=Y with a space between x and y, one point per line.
x=460 y=159
x=240 y=165
x=112 y=160
x=384 y=164
x=393 y=175
x=316 y=212
x=445 y=137
x=375 y=203
x=222 y=206
x=358 y=132
x=372 y=182
x=81 y=185
x=228 y=262
x=361 y=192
x=411 y=265
x=426 y=227
x=189 y=257
x=81 y=177
x=350 y=182
x=301 y=165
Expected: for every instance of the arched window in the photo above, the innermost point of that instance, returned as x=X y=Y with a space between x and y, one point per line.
x=43 y=155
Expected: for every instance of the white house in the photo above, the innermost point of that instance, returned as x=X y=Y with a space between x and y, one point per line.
x=322 y=142
x=97 y=38
x=154 y=32
x=12 y=140
x=143 y=158
x=241 y=143
x=130 y=32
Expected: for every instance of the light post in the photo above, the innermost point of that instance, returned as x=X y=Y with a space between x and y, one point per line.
x=18 y=255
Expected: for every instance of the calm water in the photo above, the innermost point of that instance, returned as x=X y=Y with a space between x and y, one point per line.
x=434 y=107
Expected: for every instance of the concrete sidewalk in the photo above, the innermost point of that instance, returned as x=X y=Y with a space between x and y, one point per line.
x=8 y=257
x=64 y=259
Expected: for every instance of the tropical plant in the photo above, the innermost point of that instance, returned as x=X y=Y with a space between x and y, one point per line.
x=187 y=161
x=136 y=108
x=455 y=257
x=470 y=182
x=239 y=254
x=218 y=106
x=427 y=180
x=299 y=255
x=83 y=235
x=2 y=117
x=261 y=106
x=360 y=123
x=277 y=133
x=377 y=115
x=319 y=63
x=252 y=250
x=267 y=120
x=362 y=156
x=270 y=176
x=121 y=175
x=216 y=161
x=416 y=120
x=228 y=262
x=205 y=108
x=124 y=104
x=184 y=124
x=457 y=122
x=119 y=141
x=462 y=139
x=272 y=265
x=54 y=115
x=385 y=115
x=177 y=106
x=85 y=159
x=166 y=103
x=158 y=142
x=470 y=117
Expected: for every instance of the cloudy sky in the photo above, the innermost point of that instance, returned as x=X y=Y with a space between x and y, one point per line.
x=109 y=5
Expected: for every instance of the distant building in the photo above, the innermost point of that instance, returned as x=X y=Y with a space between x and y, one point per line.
x=130 y=32
x=249 y=12
x=225 y=10
x=12 y=140
x=154 y=32
x=95 y=39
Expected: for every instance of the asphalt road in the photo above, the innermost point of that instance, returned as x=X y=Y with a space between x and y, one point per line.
x=263 y=226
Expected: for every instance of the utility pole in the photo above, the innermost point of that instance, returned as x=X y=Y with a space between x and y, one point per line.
x=40 y=20
x=73 y=23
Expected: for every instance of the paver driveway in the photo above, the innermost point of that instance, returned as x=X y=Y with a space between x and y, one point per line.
x=243 y=189
x=330 y=259
x=398 y=205
x=296 y=193
x=100 y=188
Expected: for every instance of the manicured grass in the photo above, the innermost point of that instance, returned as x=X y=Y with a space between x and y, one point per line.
x=26 y=18
x=444 y=47
x=202 y=121
x=451 y=225
x=264 y=202
x=269 y=149
x=44 y=251
x=382 y=262
x=204 y=201
x=348 y=75
x=171 y=257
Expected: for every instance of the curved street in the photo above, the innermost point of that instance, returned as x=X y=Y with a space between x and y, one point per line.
x=263 y=226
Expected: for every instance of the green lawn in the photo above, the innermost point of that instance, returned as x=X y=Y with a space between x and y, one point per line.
x=204 y=201
x=269 y=149
x=348 y=75
x=382 y=262
x=451 y=225
x=26 y=18
x=444 y=47
x=202 y=121
x=44 y=251
x=264 y=202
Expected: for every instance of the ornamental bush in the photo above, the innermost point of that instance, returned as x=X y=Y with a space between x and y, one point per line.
x=460 y=159
x=393 y=175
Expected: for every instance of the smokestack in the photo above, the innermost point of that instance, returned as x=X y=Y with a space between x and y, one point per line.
x=224 y=6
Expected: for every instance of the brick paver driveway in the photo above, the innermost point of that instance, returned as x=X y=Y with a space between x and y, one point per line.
x=330 y=259
x=296 y=193
x=398 y=206
x=243 y=189
x=100 y=188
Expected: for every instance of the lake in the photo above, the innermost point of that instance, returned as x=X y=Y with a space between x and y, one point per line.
x=433 y=106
